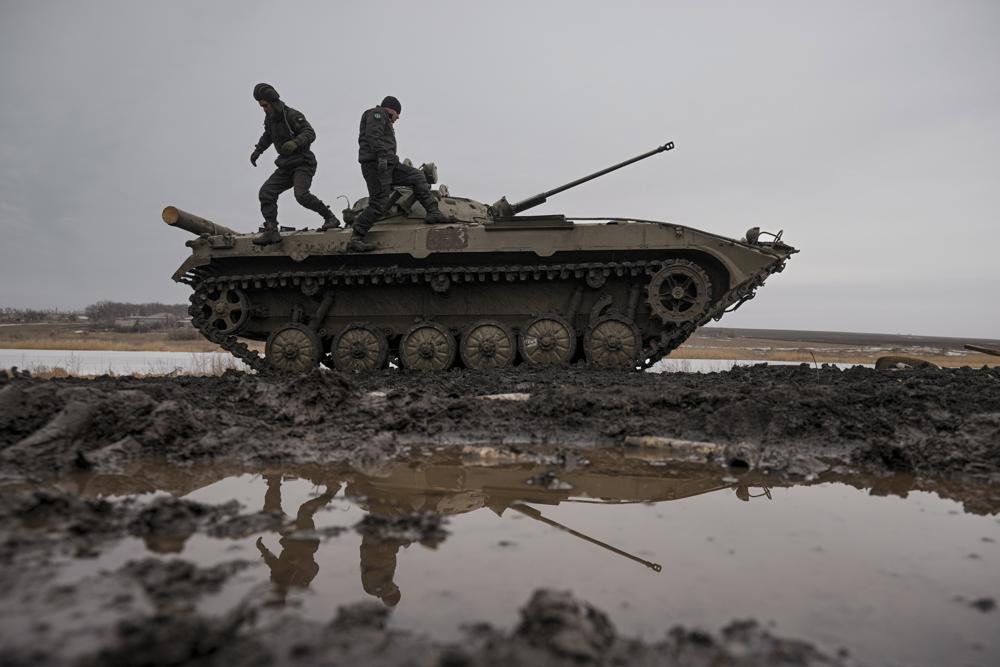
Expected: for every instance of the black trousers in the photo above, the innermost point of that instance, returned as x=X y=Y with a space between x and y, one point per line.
x=300 y=178
x=380 y=186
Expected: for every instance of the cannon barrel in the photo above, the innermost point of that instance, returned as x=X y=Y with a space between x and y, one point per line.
x=190 y=222
x=540 y=198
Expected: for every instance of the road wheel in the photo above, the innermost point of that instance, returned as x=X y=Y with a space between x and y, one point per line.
x=427 y=346
x=487 y=345
x=358 y=348
x=293 y=349
x=547 y=340
x=679 y=292
x=612 y=342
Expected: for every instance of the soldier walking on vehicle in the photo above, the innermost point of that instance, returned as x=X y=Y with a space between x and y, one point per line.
x=292 y=136
x=382 y=169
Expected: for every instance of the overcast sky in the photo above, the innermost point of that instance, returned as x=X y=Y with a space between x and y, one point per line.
x=868 y=131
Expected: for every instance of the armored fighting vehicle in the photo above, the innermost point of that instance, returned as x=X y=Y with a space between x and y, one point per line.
x=491 y=289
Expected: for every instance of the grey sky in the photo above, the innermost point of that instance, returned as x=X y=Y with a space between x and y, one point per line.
x=868 y=131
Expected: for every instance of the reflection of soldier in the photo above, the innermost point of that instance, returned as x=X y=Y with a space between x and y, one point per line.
x=378 y=568
x=378 y=554
x=296 y=566
x=743 y=493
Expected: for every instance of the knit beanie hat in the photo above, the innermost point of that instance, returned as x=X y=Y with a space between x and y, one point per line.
x=391 y=102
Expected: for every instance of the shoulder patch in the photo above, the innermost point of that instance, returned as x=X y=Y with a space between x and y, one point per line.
x=377 y=114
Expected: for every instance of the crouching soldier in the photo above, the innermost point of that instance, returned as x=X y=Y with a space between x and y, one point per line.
x=291 y=135
x=382 y=169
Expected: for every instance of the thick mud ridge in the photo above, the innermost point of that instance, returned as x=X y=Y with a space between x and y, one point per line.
x=891 y=433
x=934 y=422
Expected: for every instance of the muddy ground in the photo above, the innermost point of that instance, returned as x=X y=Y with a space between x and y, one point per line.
x=941 y=427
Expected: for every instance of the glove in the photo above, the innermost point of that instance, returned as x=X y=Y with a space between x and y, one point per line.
x=253 y=157
x=288 y=147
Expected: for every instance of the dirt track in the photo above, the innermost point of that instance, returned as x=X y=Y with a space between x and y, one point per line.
x=943 y=427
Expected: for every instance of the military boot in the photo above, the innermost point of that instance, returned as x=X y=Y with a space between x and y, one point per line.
x=330 y=221
x=436 y=217
x=358 y=244
x=270 y=234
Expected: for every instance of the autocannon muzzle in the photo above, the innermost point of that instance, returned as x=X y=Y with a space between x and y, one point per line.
x=190 y=222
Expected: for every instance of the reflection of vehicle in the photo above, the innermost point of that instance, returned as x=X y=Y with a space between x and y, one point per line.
x=489 y=290
x=442 y=486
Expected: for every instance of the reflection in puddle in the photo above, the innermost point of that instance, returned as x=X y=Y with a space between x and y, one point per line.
x=888 y=572
x=296 y=565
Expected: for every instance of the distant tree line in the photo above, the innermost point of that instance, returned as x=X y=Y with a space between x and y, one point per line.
x=31 y=315
x=102 y=312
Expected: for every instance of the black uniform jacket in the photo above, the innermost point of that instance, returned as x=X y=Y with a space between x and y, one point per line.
x=284 y=124
x=376 y=138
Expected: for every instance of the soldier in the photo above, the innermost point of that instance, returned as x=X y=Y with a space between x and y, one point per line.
x=291 y=135
x=382 y=169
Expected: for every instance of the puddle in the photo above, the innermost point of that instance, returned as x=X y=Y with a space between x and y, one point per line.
x=119 y=362
x=889 y=574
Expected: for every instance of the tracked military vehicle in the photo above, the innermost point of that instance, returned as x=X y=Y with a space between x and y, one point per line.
x=491 y=289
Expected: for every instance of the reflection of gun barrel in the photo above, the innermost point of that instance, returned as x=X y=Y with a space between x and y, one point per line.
x=190 y=222
x=535 y=514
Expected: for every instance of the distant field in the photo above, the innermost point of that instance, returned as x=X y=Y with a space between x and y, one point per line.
x=708 y=343
x=75 y=337
x=830 y=347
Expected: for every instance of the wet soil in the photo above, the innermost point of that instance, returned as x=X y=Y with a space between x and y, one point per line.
x=934 y=430
x=939 y=422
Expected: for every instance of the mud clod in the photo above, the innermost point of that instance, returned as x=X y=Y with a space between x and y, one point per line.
x=567 y=627
x=985 y=605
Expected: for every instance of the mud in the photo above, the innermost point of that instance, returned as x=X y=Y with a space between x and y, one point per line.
x=938 y=422
x=555 y=629
x=933 y=430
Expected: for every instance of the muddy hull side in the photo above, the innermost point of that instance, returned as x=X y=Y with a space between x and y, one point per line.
x=391 y=301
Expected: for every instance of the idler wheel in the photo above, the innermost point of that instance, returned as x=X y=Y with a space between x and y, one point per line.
x=427 y=346
x=293 y=349
x=547 y=340
x=612 y=342
x=679 y=292
x=487 y=344
x=225 y=309
x=360 y=347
